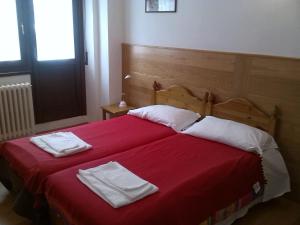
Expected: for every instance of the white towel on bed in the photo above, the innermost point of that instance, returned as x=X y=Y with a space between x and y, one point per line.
x=60 y=144
x=61 y=141
x=115 y=184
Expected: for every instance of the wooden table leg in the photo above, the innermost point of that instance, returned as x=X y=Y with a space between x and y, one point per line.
x=103 y=114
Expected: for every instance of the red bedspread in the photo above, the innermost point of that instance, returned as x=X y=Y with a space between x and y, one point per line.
x=107 y=137
x=195 y=178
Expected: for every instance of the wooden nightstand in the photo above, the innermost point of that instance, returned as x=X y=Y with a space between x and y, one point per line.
x=114 y=110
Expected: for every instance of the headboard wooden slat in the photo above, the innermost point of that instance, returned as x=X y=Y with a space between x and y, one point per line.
x=180 y=97
x=243 y=111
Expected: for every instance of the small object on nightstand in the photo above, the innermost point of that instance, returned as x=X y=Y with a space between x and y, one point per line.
x=114 y=110
x=123 y=103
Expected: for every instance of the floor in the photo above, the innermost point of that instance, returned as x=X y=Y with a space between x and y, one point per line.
x=7 y=216
x=277 y=212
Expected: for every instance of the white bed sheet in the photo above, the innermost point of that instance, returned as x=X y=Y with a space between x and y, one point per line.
x=276 y=174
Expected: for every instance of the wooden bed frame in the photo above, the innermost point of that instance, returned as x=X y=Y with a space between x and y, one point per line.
x=180 y=97
x=243 y=111
x=236 y=109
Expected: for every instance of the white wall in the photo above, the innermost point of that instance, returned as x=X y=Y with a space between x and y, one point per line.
x=115 y=40
x=92 y=70
x=269 y=27
x=111 y=38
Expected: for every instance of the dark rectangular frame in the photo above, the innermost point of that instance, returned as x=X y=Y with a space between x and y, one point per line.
x=172 y=11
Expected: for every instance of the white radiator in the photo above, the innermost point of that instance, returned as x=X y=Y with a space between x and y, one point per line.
x=16 y=111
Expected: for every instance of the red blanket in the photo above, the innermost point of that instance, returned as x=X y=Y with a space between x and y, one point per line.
x=195 y=178
x=107 y=137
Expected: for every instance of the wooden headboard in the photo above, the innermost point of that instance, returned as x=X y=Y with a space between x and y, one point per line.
x=180 y=97
x=243 y=111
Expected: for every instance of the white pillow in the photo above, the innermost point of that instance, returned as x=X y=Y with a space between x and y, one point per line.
x=173 y=117
x=232 y=133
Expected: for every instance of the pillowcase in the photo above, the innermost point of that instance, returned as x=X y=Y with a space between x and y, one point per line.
x=232 y=133
x=170 y=116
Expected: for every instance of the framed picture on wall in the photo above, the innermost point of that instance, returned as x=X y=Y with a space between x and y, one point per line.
x=160 y=6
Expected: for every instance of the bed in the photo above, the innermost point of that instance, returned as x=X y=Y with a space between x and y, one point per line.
x=24 y=167
x=200 y=181
x=178 y=175
x=108 y=137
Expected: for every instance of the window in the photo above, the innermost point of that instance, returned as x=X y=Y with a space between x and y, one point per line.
x=44 y=38
x=55 y=36
x=47 y=32
x=9 y=38
x=13 y=54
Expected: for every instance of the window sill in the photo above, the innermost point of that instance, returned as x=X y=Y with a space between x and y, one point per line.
x=7 y=74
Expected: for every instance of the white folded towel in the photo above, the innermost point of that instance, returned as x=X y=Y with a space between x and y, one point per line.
x=61 y=141
x=60 y=144
x=115 y=184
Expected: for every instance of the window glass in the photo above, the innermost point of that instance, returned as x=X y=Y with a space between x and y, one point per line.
x=54 y=29
x=9 y=38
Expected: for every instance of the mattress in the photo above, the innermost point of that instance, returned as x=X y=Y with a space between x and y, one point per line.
x=196 y=178
x=107 y=137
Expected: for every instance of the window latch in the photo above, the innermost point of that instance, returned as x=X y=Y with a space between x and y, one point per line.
x=22 y=28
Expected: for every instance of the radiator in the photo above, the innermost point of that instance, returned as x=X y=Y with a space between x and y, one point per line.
x=16 y=111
